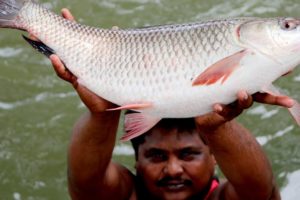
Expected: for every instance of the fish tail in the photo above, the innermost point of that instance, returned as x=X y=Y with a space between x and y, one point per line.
x=9 y=9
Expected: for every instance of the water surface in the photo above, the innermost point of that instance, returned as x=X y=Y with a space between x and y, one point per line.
x=37 y=110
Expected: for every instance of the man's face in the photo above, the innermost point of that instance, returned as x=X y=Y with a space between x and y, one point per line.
x=174 y=165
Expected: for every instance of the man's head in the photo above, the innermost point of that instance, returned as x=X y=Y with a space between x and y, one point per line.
x=173 y=161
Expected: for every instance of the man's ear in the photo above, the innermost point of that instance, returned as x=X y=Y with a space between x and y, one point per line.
x=136 y=165
x=213 y=158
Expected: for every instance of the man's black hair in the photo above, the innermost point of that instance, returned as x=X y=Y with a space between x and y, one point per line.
x=182 y=125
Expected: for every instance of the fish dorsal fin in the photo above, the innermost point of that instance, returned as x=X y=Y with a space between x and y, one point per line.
x=41 y=47
x=221 y=70
x=138 y=123
x=294 y=110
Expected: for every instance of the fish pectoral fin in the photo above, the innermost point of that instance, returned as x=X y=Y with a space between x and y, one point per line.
x=294 y=110
x=138 y=123
x=41 y=47
x=137 y=106
x=221 y=70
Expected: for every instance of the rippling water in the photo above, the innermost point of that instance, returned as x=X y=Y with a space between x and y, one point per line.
x=37 y=110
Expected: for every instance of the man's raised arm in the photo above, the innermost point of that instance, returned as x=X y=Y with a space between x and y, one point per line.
x=237 y=152
x=91 y=173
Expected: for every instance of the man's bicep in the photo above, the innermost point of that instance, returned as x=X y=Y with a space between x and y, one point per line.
x=227 y=191
x=120 y=181
x=117 y=183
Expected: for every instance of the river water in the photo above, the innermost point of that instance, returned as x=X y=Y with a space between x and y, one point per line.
x=37 y=110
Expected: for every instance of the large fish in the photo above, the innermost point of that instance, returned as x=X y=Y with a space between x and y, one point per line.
x=172 y=71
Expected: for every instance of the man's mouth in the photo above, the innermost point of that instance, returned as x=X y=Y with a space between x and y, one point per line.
x=174 y=185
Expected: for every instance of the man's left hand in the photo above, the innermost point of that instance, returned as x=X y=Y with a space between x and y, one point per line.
x=225 y=113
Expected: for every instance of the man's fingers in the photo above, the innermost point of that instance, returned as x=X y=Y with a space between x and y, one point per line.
x=60 y=69
x=67 y=14
x=244 y=100
x=232 y=110
x=228 y=112
x=224 y=113
x=266 y=98
x=209 y=121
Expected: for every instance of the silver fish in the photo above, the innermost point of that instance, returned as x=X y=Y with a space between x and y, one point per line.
x=171 y=71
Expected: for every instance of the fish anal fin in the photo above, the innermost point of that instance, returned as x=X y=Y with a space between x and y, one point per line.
x=221 y=70
x=41 y=47
x=138 y=123
x=136 y=106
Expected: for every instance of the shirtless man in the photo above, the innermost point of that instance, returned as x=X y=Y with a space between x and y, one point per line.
x=175 y=160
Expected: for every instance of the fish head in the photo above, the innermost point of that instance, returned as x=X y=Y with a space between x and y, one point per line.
x=277 y=38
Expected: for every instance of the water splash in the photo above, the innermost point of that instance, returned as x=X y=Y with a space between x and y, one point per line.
x=262 y=140
x=45 y=96
x=8 y=52
x=291 y=190
x=263 y=112
x=124 y=150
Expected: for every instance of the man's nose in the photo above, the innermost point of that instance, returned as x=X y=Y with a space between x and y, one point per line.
x=173 y=167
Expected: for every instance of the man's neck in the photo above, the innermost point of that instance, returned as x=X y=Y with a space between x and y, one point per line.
x=143 y=194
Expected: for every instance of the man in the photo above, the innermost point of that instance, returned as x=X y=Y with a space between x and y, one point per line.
x=174 y=160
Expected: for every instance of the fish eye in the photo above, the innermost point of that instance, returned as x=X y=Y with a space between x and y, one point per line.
x=289 y=24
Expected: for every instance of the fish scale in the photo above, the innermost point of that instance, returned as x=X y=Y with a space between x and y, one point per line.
x=169 y=71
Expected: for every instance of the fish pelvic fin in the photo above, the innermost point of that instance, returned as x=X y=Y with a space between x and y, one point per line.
x=9 y=9
x=41 y=47
x=221 y=70
x=138 y=123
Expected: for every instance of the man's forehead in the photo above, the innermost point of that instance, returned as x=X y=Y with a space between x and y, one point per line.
x=161 y=137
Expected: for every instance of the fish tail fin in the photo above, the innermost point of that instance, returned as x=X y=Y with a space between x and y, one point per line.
x=9 y=9
x=41 y=47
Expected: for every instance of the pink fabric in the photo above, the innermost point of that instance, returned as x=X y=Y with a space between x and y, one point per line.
x=213 y=186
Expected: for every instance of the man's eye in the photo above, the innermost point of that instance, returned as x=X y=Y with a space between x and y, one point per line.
x=158 y=157
x=189 y=155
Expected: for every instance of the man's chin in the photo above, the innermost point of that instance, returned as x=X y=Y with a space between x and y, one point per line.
x=178 y=195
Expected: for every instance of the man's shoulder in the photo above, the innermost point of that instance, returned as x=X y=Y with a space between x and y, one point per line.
x=217 y=193
x=123 y=180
